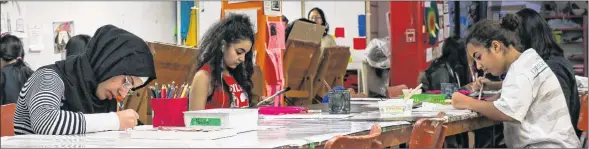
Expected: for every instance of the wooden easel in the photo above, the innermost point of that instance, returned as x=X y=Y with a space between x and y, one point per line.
x=332 y=69
x=300 y=67
x=172 y=63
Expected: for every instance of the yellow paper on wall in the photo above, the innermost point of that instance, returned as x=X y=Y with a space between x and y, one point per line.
x=191 y=37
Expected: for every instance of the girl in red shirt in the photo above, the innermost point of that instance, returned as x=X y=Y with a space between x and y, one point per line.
x=223 y=78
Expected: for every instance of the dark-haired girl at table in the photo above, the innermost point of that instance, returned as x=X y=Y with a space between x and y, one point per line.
x=75 y=96
x=224 y=77
x=532 y=105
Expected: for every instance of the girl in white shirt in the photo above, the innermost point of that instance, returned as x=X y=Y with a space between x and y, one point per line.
x=532 y=105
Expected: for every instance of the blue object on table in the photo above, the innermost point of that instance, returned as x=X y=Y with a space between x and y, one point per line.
x=337 y=88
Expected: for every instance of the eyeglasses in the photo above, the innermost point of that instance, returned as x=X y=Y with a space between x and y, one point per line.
x=315 y=18
x=127 y=85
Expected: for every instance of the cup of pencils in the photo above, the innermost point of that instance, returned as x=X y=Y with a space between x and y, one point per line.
x=168 y=103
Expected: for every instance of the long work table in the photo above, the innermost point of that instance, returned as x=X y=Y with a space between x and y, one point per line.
x=272 y=132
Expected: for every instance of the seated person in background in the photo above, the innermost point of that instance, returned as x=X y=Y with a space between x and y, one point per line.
x=75 y=96
x=14 y=72
x=532 y=105
x=76 y=45
x=450 y=67
x=224 y=77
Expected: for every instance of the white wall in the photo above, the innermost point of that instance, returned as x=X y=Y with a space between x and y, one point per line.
x=150 y=20
x=339 y=14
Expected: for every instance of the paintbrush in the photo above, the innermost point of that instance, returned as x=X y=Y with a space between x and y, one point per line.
x=272 y=97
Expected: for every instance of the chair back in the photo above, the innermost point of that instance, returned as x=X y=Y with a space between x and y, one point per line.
x=366 y=141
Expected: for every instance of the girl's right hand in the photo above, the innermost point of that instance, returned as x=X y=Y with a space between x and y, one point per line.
x=127 y=119
x=480 y=82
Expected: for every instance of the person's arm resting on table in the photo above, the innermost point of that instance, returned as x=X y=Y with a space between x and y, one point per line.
x=513 y=104
x=47 y=117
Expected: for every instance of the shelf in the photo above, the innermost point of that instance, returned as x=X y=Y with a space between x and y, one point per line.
x=562 y=17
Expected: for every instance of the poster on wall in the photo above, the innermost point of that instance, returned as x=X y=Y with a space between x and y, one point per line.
x=62 y=32
x=272 y=8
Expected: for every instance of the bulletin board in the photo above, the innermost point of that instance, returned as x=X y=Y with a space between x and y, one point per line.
x=261 y=29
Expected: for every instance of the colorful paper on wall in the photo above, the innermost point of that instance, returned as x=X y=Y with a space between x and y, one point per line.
x=62 y=32
x=360 y=43
x=277 y=35
x=273 y=86
x=339 y=32
x=191 y=35
x=362 y=25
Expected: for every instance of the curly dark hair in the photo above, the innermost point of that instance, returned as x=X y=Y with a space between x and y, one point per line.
x=230 y=30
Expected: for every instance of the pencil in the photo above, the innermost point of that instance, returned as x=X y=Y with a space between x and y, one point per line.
x=184 y=91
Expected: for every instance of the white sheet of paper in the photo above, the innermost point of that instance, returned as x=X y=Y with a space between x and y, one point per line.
x=35 y=32
x=272 y=8
x=252 y=13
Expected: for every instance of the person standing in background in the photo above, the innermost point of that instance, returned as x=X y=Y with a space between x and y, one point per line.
x=316 y=15
x=14 y=71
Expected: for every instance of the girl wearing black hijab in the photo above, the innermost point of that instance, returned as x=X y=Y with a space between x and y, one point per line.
x=74 y=96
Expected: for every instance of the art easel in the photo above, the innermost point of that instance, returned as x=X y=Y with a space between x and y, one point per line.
x=301 y=61
x=172 y=63
x=332 y=69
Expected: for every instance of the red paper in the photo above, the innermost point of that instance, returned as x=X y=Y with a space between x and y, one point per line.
x=360 y=43
x=276 y=41
x=339 y=32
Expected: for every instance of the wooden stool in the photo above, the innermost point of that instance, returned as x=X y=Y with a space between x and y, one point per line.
x=367 y=141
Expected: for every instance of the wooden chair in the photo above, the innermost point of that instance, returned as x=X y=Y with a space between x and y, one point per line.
x=7 y=128
x=429 y=132
x=396 y=91
x=582 y=123
x=367 y=141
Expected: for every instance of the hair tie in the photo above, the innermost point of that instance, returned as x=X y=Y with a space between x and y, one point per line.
x=18 y=58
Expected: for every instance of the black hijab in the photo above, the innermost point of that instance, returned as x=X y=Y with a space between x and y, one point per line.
x=111 y=52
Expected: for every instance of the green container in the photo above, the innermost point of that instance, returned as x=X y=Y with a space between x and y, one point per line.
x=431 y=98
